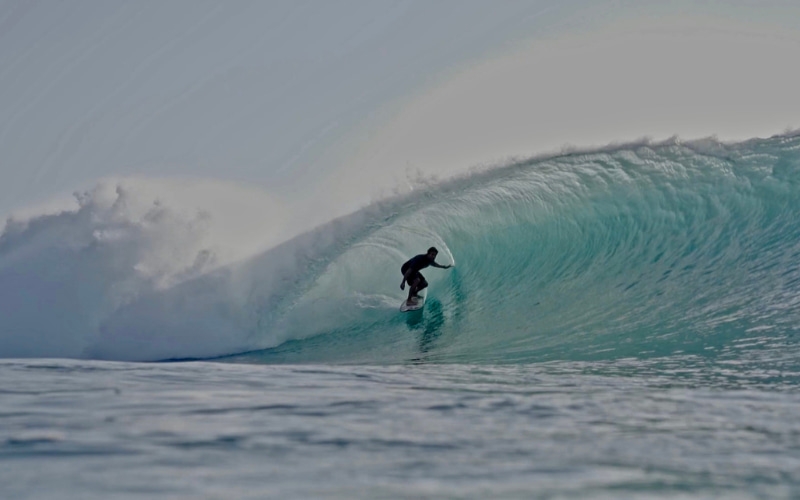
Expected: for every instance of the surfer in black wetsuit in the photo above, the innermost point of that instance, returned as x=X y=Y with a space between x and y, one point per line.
x=413 y=276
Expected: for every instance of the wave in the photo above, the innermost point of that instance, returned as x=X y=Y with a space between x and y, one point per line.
x=644 y=249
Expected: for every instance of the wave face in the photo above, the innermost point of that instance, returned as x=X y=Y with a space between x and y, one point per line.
x=641 y=250
x=644 y=250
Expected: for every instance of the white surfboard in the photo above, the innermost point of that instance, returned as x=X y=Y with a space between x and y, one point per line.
x=416 y=305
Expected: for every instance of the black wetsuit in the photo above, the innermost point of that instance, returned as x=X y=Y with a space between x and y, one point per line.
x=417 y=263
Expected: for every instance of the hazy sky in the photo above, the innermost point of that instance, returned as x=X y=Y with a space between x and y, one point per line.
x=335 y=100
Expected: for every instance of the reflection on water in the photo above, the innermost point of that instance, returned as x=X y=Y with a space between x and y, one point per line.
x=428 y=322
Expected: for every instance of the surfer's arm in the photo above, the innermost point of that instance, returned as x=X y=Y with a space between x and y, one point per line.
x=405 y=279
x=434 y=264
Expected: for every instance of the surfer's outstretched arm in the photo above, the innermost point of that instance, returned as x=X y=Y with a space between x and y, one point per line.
x=434 y=264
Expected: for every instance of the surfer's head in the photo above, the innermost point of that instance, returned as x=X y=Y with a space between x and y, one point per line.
x=432 y=252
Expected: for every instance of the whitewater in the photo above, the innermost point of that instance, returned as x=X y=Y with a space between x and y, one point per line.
x=619 y=322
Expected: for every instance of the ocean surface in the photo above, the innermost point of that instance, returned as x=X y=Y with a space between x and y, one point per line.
x=619 y=323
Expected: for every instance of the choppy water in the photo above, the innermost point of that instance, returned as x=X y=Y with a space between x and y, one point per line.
x=620 y=323
x=676 y=428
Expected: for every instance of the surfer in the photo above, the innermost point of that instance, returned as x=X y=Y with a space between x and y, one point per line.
x=412 y=275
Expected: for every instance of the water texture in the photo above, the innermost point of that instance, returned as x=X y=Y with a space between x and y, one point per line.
x=619 y=323
x=677 y=428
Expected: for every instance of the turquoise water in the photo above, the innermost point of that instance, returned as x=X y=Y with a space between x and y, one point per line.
x=641 y=251
x=619 y=323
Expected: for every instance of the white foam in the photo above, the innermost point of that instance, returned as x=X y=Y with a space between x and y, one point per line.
x=65 y=276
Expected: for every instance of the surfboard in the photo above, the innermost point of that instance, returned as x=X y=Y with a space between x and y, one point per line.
x=416 y=306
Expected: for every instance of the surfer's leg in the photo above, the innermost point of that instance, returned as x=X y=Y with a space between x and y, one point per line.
x=412 y=290
x=421 y=284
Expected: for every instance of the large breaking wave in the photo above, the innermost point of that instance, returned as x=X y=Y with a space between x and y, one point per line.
x=635 y=250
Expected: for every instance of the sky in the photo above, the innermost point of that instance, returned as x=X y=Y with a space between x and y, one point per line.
x=319 y=107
